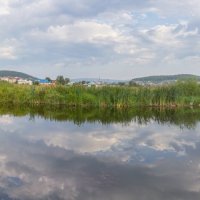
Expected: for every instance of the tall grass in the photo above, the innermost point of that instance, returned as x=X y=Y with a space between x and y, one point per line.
x=185 y=93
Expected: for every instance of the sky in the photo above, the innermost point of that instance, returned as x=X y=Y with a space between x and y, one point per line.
x=100 y=38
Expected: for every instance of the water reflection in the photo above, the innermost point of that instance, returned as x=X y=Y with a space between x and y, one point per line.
x=59 y=160
x=185 y=117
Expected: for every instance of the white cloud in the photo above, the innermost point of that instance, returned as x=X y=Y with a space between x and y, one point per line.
x=81 y=31
x=4 y=8
x=9 y=49
x=7 y=52
x=164 y=35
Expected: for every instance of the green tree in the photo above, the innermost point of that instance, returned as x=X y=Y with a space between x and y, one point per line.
x=49 y=79
x=36 y=83
x=60 y=80
x=133 y=83
x=67 y=80
x=121 y=83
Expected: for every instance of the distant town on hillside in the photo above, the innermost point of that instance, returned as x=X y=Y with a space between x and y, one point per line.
x=23 y=78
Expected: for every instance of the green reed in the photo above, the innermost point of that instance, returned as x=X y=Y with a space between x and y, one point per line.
x=182 y=93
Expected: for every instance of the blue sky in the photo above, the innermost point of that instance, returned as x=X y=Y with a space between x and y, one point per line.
x=94 y=38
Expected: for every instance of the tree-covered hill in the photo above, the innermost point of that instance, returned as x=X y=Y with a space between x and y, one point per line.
x=6 y=73
x=157 y=79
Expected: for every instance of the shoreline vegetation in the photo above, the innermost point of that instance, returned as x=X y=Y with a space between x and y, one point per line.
x=179 y=94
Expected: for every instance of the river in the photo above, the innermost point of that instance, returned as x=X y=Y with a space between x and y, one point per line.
x=99 y=155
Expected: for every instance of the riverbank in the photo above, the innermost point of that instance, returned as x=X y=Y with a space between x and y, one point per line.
x=173 y=95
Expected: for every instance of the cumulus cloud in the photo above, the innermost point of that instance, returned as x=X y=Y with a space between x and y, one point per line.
x=91 y=32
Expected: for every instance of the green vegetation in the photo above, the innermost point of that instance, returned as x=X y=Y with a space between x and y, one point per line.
x=48 y=79
x=179 y=94
x=61 y=80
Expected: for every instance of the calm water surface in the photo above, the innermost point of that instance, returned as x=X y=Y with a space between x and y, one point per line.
x=142 y=158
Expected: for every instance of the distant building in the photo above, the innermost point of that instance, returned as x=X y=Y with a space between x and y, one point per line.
x=16 y=80
x=44 y=82
x=9 y=79
x=24 y=82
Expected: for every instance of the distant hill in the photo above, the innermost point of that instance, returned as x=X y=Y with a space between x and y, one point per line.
x=6 y=73
x=165 y=78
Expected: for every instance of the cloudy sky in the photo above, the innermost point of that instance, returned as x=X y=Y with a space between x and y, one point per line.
x=94 y=38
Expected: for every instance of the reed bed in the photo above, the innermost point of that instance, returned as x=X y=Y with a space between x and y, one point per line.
x=182 y=93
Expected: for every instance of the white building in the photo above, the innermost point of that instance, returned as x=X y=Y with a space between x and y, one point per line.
x=24 y=82
x=9 y=79
x=16 y=80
